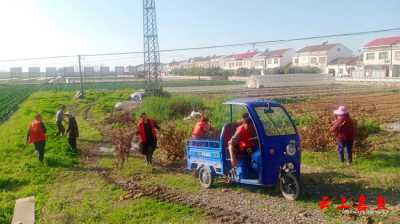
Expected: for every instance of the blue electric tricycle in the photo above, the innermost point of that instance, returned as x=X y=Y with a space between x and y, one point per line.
x=275 y=163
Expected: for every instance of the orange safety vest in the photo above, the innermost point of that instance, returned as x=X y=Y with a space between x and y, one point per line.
x=36 y=133
x=198 y=128
x=245 y=136
x=141 y=129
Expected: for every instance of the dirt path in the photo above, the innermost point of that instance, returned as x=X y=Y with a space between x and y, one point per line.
x=222 y=205
x=225 y=204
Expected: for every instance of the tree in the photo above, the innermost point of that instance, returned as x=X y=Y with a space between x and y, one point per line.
x=242 y=72
x=349 y=69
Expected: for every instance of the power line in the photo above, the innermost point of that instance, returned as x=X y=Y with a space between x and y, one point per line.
x=26 y=59
x=262 y=42
x=222 y=46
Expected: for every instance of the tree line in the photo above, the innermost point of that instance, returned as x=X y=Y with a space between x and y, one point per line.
x=217 y=71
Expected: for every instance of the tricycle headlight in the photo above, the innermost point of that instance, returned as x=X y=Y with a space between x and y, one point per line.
x=290 y=149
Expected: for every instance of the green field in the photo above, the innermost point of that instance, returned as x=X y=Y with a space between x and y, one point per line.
x=13 y=95
x=69 y=189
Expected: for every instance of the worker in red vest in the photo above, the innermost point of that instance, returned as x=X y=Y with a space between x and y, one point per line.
x=148 y=136
x=199 y=128
x=241 y=137
x=37 y=135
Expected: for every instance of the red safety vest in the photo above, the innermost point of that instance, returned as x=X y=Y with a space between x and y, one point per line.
x=198 y=128
x=36 y=133
x=245 y=136
x=141 y=129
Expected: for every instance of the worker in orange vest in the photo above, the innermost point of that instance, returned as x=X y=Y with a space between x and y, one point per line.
x=37 y=135
x=241 y=137
x=148 y=136
x=199 y=128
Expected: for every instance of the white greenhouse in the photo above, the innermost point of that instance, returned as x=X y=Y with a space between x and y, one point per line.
x=284 y=80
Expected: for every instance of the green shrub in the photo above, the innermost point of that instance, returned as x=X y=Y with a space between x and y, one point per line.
x=178 y=106
x=372 y=126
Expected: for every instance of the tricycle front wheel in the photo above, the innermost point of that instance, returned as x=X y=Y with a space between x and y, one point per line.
x=206 y=178
x=290 y=188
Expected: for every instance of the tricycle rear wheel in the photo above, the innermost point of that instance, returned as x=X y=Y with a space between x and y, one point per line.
x=206 y=178
x=291 y=188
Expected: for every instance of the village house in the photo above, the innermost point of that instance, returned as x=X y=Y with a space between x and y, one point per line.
x=273 y=59
x=320 y=56
x=171 y=66
x=237 y=61
x=130 y=69
x=343 y=67
x=208 y=62
x=382 y=56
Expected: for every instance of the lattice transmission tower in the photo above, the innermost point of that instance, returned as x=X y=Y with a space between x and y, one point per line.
x=151 y=49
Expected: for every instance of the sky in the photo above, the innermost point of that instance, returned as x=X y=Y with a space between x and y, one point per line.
x=44 y=28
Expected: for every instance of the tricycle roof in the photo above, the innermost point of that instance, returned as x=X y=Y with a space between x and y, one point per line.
x=253 y=103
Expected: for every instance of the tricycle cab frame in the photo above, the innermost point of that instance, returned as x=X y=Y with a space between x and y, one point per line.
x=270 y=164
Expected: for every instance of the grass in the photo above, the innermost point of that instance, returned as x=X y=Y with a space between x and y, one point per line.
x=154 y=174
x=65 y=191
x=88 y=199
x=170 y=108
x=381 y=171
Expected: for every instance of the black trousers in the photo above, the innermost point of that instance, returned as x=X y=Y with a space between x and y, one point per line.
x=72 y=142
x=61 y=129
x=39 y=149
x=247 y=152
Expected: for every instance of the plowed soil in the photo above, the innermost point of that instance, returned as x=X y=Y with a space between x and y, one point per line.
x=295 y=92
x=386 y=106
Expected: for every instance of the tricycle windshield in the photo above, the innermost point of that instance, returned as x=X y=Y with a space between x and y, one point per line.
x=275 y=121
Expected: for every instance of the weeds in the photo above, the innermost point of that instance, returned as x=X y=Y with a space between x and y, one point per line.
x=169 y=108
x=118 y=119
x=173 y=142
x=122 y=145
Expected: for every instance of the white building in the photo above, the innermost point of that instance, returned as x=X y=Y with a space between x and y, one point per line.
x=320 y=55
x=209 y=62
x=342 y=67
x=237 y=61
x=183 y=64
x=130 y=69
x=383 y=54
x=172 y=65
x=273 y=59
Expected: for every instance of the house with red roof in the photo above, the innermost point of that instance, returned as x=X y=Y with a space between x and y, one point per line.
x=320 y=55
x=172 y=65
x=343 y=67
x=383 y=54
x=236 y=61
x=209 y=61
x=273 y=59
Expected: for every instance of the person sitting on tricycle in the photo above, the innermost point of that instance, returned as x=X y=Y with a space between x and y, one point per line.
x=244 y=116
x=241 y=138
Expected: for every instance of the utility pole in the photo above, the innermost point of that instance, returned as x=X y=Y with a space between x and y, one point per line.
x=80 y=72
x=151 y=49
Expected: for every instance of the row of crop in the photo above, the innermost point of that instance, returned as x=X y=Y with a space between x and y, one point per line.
x=12 y=96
